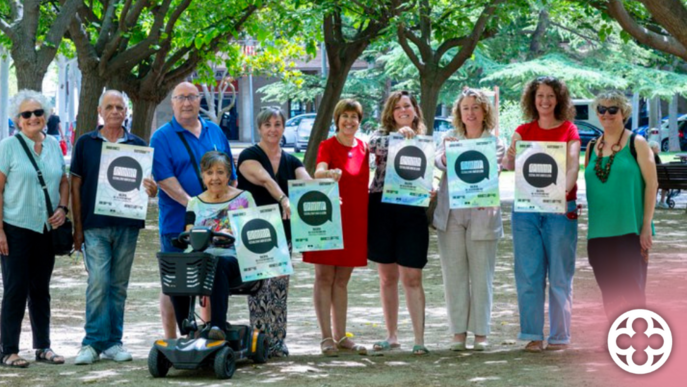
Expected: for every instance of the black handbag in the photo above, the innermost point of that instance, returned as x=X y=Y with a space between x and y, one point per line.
x=62 y=237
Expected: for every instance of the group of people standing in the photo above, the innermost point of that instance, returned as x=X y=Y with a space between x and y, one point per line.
x=198 y=182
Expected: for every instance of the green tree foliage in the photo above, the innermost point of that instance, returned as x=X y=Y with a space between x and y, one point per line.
x=32 y=30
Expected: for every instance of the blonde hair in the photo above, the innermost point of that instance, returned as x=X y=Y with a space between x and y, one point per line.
x=388 y=121
x=489 y=122
x=617 y=98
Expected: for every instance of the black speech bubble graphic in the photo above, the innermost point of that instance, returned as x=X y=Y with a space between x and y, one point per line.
x=259 y=236
x=315 y=208
x=125 y=174
x=540 y=170
x=472 y=167
x=410 y=163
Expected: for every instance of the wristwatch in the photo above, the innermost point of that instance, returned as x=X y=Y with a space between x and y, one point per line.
x=65 y=209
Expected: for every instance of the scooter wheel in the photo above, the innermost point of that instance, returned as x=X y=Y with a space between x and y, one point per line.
x=158 y=365
x=225 y=363
x=261 y=350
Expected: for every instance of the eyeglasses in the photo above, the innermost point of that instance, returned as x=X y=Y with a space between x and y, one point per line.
x=610 y=109
x=38 y=113
x=189 y=98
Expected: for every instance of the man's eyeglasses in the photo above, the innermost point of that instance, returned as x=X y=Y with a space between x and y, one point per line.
x=38 y=113
x=189 y=98
x=610 y=109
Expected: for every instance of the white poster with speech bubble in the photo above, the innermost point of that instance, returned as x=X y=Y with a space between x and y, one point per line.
x=261 y=247
x=409 y=170
x=473 y=173
x=540 y=176
x=315 y=215
x=120 y=190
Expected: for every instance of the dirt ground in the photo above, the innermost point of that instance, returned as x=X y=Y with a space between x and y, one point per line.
x=505 y=364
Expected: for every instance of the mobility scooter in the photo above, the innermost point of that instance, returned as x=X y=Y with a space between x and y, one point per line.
x=192 y=274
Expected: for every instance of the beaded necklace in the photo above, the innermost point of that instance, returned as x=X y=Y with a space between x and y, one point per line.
x=602 y=172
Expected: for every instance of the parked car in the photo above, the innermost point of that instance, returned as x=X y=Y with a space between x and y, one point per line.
x=291 y=126
x=587 y=133
x=662 y=136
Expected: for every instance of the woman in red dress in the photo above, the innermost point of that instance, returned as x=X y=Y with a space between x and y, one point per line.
x=345 y=159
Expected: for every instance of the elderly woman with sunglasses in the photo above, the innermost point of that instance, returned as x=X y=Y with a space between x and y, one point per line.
x=620 y=174
x=545 y=244
x=25 y=241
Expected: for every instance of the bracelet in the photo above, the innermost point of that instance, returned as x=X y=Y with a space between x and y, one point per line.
x=65 y=209
x=283 y=196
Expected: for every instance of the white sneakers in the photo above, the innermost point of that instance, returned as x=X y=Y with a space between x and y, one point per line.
x=88 y=355
x=116 y=353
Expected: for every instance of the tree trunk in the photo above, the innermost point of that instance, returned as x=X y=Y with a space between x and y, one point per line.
x=29 y=75
x=92 y=86
x=332 y=92
x=429 y=92
x=538 y=34
x=142 y=117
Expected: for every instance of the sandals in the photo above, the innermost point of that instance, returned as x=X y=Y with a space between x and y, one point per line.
x=420 y=350
x=357 y=348
x=385 y=346
x=18 y=362
x=329 y=350
x=47 y=355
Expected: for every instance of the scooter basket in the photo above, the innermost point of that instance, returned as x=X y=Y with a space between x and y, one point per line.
x=187 y=274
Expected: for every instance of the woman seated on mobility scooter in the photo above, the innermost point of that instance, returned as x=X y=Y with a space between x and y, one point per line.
x=209 y=209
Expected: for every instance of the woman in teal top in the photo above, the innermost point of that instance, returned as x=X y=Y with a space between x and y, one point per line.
x=621 y=194
x=25 y=239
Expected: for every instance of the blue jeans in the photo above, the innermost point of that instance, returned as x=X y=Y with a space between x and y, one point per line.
x=544 y=244
x=108 y=256
x=166 y=243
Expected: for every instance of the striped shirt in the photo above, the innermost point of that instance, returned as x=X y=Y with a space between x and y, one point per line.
x=23 y=201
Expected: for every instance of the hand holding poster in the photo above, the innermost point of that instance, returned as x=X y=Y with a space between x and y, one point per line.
x=316 y=223
x=409 y=170
x=540 y=176
x=120 y=181
x=473 y=173
x=261 y=247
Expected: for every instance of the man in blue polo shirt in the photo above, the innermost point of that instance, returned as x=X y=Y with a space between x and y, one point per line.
x=110 y=242
x=178 y=174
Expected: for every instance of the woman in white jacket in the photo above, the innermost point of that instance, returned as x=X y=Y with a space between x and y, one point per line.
x=468 y=237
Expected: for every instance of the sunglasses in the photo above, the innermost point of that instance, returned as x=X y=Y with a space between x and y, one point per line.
x=610 y=109
x=38 y=113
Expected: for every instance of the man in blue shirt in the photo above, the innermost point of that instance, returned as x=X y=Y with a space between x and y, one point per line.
x=110 y=242
x=178 y=174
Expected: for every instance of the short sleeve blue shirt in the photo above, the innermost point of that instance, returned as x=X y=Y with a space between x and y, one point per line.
x=171 y=159
x=86 y=165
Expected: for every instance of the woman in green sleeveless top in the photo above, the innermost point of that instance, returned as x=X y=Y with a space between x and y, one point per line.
x=621 y=194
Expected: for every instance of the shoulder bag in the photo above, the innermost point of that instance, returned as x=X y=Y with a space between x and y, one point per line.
x=62 y=237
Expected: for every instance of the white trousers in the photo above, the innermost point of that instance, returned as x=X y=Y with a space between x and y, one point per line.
x=468 y=271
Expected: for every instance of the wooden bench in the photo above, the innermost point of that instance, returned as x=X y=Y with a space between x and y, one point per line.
x=672 y=176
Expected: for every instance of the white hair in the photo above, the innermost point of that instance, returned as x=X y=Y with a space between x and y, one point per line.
x=125 y=98
x=654 y=145
x=28 y=95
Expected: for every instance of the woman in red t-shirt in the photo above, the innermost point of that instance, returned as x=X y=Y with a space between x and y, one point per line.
x=343 y=158
x=545 y=244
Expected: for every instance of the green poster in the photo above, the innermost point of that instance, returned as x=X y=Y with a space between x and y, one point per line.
x=540 y=176
x=120 y=191
x=261 y=247
x=315 y=215
x=473 y=173
x=409 y=170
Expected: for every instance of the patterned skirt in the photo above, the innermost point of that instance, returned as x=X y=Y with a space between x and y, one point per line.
x=268 y=313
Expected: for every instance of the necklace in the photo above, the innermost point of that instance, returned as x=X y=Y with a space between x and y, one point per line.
x=602 y=172
x=350 y=153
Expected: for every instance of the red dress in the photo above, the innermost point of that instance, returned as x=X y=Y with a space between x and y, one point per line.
x=353 y=188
